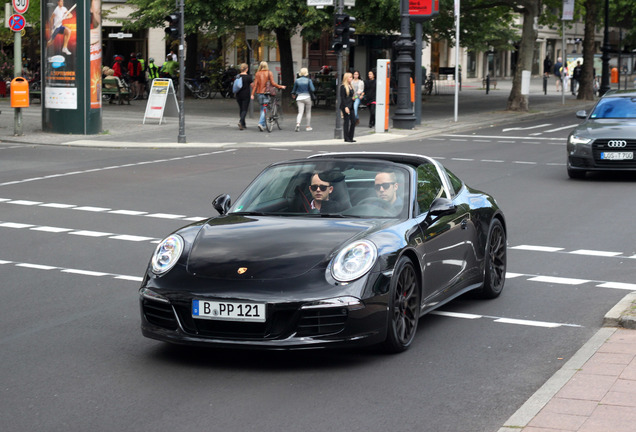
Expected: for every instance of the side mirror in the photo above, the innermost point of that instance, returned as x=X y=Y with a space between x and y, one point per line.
x=222 y=203
x=581 y=114
x=442 y=207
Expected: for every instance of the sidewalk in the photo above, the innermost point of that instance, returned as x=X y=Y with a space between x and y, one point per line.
x=595 y=391
x=213 y=122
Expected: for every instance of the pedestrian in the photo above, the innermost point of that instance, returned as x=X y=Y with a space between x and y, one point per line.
x=136 y=74
x=346 y=107
x=547 y=65
x=358 y=89
x=118 y=70
x=243 y=95
x=558 y=69
x=302 y=91
x=262 y=77
x=565 y=74
x=369 y=97
x=576 y=77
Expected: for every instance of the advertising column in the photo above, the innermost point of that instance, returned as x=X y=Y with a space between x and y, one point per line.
x=71 y=66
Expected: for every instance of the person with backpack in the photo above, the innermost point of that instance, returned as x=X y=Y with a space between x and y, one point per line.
x=153 y=69
x=302 y=91
x=242 y=89
x=558 y=70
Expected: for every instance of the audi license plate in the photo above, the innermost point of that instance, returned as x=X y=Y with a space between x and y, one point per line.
x=617 y=155
x=228 y=311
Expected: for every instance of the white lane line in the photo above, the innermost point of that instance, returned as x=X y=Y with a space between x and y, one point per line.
x=492 y=160
x=618 y=285
x=25 y=202
x=537 y=248
x=559 y=280
x=561 y=128
x=128 y=212
x=595 y=253
x=523 y=322
x=92 y=170
x=525 y=162
x=463 y=159
x=73 y=271
x=165 y=216
x=526 y=128
x=88 y=233
x=58 y=205
x=15 y=225
x=91 y=209
x=131 y=238
x=512 y=138
x=50 y=229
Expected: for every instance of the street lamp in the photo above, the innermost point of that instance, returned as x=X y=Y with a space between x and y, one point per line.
x=404 y=117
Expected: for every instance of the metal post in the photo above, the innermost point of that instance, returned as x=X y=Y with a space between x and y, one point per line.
x=605 y=78
x=564 y=56
x=418 y=72
x=458 y=78
x=17 y=71
x=182 y=137
x=404 y=117
x=337 y=132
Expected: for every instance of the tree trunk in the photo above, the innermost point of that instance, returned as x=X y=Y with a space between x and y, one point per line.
x=517 y=101
x=586 y=86
x=283 y=38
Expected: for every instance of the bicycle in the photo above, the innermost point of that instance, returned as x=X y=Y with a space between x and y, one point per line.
x=199 y=87
x=273 y=112
x=428 y=85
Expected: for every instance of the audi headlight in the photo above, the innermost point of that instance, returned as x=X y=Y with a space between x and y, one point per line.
x=167 y=254
x=575 y=139
x=354 y=261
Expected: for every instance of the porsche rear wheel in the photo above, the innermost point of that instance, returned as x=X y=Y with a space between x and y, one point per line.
x=495 y=265
x=404 y=307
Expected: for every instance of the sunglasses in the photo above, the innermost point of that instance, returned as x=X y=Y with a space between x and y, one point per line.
x=384 y=186
x=314 y=188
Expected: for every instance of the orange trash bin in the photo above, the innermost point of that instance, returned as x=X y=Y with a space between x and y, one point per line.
x=614 y=75
x=19 y=93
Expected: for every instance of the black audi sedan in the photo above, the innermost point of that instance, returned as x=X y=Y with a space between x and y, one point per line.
x=333 y=250
x=606 y=140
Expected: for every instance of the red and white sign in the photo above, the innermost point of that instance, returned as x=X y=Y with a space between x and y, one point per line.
x=16 y=22
x=423 y=7
x=21 y=6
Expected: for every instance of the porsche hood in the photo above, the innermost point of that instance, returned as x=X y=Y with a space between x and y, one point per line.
x=248 y=247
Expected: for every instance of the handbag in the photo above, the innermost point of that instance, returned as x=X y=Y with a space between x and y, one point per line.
x=269 y=88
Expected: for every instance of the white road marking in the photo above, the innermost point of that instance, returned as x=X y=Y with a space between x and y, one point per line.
x=528 y=322
x=25 y=202
x=165 y=216
x=72 y=271
x=91 y=209
x=51 y=229
x=15 y=225
x=131 y=238
x=128 y=212
x=526 y=128
x=537 y=248
x=561 y=128
x=58 y=205
x=512 y=139
x=595 y=253
x=457 y=315
x=115 y=167
x=559 y=280
x=503 y=320
x=90 y=233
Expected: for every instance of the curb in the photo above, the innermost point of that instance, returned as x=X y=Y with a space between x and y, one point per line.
x=623 y=314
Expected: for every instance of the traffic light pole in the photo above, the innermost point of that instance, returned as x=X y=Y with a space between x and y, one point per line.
x=337 y=132
x=182 y=137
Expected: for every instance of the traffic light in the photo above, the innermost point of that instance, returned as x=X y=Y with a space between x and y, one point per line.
x=343 y=32
x=173 y=25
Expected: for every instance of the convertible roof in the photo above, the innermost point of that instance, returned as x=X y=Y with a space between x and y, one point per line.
x=404 y=158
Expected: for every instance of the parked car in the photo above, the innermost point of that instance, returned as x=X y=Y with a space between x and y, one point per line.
x=606 y=140
x=401 y=236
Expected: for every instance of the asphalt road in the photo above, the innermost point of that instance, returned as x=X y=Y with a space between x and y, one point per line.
x=78 y=226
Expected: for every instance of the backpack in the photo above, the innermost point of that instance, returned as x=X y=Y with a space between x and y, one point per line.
x=238 y=84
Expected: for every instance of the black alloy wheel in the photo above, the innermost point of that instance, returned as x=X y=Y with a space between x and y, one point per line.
x=495 y=265
x=404 y=307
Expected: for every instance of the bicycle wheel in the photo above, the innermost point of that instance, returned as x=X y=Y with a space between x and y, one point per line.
x=204 y=91
x=278 y=117
x=269 y=118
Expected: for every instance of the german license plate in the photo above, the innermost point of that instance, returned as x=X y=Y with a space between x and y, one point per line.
x=617 y=155
x=228 y=311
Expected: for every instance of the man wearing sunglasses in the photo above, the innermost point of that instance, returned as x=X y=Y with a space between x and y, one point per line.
x=320 y=191
x=386 y=187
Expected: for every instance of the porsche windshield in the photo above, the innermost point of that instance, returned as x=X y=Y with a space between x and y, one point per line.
x=329 y=188
x=615 y=107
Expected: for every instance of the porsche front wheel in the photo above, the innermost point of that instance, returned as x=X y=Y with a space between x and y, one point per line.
x=404 y=307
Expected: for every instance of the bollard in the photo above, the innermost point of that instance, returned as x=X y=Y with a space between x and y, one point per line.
x=545 y=84
x=487 y=83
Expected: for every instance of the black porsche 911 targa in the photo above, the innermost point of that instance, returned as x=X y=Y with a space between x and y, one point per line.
x=332 y=250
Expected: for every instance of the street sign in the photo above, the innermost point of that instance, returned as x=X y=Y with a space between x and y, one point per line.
x=16 y=22
x=21 y=6
x=319 y=2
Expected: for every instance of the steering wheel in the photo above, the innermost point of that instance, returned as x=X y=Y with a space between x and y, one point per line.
x=378 y=202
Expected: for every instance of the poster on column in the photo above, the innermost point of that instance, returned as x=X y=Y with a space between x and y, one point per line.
x=96 y=54
x=60 y=70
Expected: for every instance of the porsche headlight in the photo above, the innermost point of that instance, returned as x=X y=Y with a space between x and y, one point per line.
x=354 y=261
x=167 y=254
x=575 y=139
